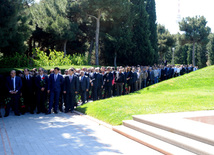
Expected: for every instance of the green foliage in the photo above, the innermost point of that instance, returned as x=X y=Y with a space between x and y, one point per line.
x=17 y=60
x=57 y=58
x=195 y=32
x=210 y=49
x=15 y=26
x=190 y=92
x=165 y=41
x=142 y=52
x=151 y=10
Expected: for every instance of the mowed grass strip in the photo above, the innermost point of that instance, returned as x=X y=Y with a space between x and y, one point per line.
x=191 y=92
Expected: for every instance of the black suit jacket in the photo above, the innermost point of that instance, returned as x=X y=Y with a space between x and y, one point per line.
x=83 y=83
x=37 y=82
x=71 y=87
x=18 y=84
x=28 y=84
x=55 y=85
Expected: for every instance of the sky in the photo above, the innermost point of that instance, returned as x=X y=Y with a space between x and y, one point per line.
x=167 y=11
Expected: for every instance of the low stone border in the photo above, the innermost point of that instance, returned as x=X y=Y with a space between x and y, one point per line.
x=95 y=120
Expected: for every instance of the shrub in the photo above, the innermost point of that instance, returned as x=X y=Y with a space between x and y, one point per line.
x=57 y=58
x=17 y=60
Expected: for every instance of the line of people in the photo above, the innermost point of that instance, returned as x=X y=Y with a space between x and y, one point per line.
x=44 y=93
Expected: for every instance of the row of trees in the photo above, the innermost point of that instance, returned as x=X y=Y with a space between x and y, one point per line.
x=109 y=32
x=193 y=46
x=119 y=32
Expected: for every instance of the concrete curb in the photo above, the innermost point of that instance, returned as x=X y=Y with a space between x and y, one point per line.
x=94 y=120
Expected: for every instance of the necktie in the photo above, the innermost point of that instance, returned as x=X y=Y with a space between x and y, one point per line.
x=70 y=78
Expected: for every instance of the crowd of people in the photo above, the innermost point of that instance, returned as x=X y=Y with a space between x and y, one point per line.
x=46 y=93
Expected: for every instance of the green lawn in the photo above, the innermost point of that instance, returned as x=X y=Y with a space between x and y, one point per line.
x=191 y=92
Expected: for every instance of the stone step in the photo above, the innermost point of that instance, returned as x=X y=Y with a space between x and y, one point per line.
x=171 y=138
x=156 y=144
x=188 y=128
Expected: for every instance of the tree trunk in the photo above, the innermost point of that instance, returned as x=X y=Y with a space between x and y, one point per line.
x=65 y=44
x=97 y=38
x=29 y=54
x=193 y=54
x=115 y=59
x=90 y=51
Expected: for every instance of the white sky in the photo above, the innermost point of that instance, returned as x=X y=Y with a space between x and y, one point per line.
x=167 y=11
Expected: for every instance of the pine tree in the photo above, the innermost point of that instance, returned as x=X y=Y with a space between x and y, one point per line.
x=14 y=23
x=142 y=52
x=210 y=49
x=195 y=32
x=151 y=10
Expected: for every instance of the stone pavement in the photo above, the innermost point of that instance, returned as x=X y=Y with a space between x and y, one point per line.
x=62 y=133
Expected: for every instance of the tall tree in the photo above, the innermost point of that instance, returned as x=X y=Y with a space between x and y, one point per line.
x=100 y=9
x=195 y=32
x=118 y=36
x=151 y=10
x=165 y=41
x=210 y=49
x=14 y=23
x=51 y=16
x=142 y=51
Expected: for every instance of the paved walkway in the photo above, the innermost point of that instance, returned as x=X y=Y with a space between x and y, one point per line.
x=67 y=134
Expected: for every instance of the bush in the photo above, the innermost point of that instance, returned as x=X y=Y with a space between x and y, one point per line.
x=57 y=58
x=17 y=60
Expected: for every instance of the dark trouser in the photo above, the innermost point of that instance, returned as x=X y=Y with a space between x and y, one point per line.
x=99 y=93
x=156 y=80
x=83 y=96
x=107 y=91
x=41 y=99
x=124 y=89
x=13 y=102
x=94 y=93
x=70 y=101
x=54 y=98
x=61 y=98
x=119 y=87
x=114 y=90
x=28 y=101
x=133 y=87
x=144 y=83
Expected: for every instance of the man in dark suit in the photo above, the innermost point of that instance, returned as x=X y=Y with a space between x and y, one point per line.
x=84 y=86
x=55 y=85
x=27 y=91
x=13 y=85
x=107 y=78
x=41 y=82
x=71 y=88
x=100 y=84
x=94 y=83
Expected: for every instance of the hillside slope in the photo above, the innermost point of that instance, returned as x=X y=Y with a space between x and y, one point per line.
x=191 y=92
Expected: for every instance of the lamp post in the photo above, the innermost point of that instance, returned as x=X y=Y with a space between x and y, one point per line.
x=173 y=56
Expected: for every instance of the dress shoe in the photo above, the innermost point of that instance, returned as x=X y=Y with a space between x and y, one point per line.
x=17 y=114
x=6 y=115
x=0 y=116
x=47 y=113
x=32 y=112
x=55 y=112
x=38 y=112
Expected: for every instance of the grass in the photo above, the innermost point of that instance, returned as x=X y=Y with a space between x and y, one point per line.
x=7 y=70
x=191 y=92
